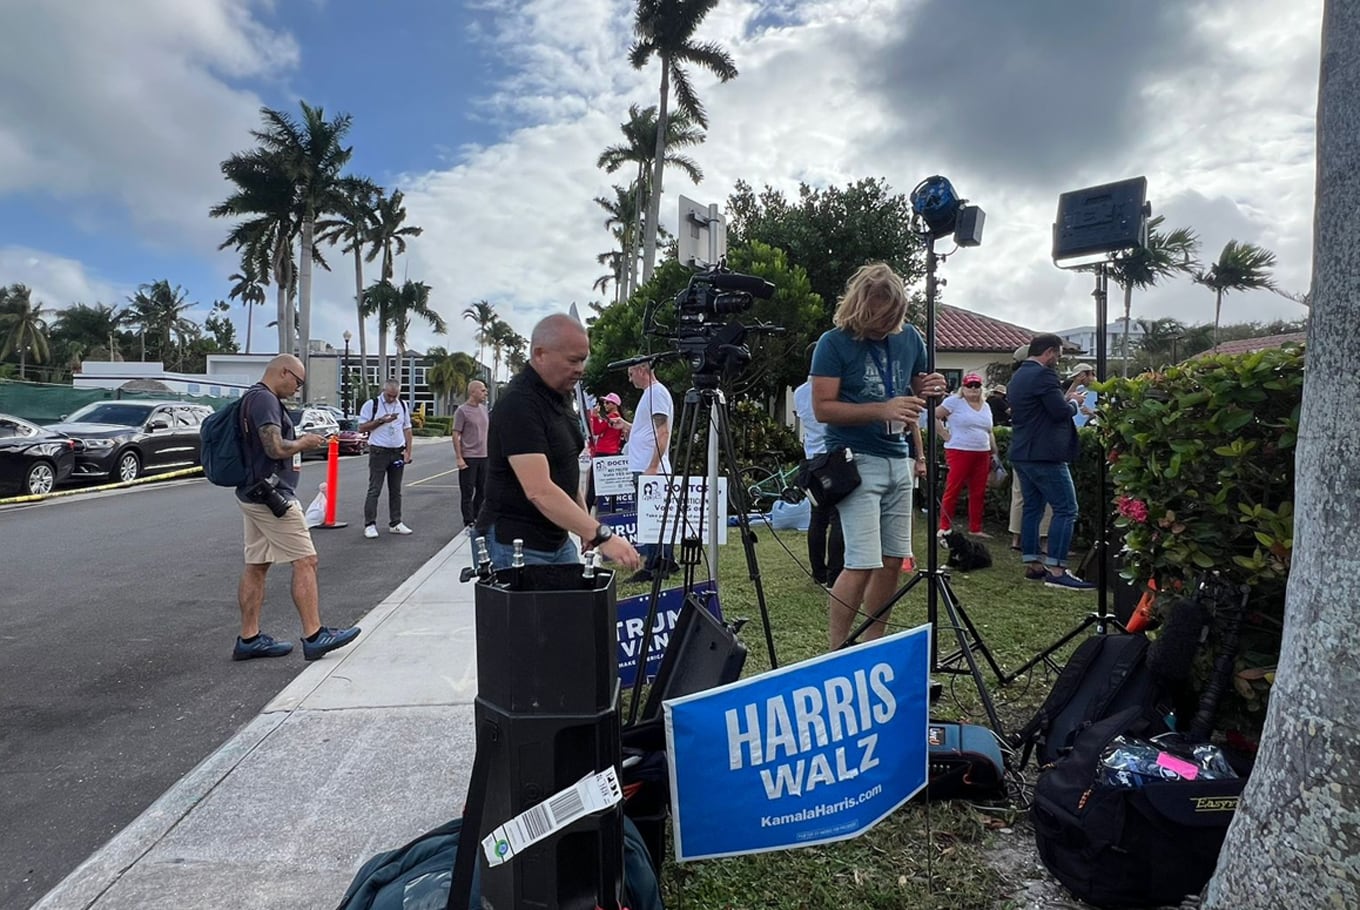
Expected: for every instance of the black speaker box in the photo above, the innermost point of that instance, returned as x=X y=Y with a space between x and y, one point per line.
x=968 y=230
x=702 y=653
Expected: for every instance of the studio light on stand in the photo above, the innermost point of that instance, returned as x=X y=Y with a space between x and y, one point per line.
x=938 y=213
x=1092 y=225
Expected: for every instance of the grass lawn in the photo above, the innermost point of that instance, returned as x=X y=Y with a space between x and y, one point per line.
x=923 y=856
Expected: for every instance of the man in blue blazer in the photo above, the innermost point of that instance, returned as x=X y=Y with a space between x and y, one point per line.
x=1043 y=443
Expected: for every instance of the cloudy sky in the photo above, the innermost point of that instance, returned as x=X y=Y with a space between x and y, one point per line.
x=490 y=115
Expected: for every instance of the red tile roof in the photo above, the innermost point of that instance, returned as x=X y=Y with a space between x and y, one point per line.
x=961 y=330
x=1252 y=345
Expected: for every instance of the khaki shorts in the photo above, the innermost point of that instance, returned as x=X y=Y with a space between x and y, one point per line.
x=275 y=540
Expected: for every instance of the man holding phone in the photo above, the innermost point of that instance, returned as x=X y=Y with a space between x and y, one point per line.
x=388 y=425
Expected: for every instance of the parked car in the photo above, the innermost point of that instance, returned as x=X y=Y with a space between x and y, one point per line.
x=353 y=441
x=126 y=439
x=33 y=459
x=314 y=420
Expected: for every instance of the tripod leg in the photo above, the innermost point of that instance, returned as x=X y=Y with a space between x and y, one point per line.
x=880 y=612
x=960 y=622
x=718 y=412
x=974 y=634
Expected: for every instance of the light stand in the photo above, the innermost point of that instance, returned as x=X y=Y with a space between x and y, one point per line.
x=938 y=588
x=1093 y=224
x=344 y=378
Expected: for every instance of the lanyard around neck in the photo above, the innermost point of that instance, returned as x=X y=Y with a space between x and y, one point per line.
x=884 y=366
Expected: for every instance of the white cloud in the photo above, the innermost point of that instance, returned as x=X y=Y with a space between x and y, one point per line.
x=56 y=281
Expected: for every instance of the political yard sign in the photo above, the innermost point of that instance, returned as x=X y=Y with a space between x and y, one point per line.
x=633 y=618
x=658 y=497
x=612 y=476
x=811 y=753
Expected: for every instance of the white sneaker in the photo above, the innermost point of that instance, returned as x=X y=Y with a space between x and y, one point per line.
x=398 y=528
x=370 y=531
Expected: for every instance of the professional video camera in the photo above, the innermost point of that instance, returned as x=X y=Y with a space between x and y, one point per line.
x=705 y=332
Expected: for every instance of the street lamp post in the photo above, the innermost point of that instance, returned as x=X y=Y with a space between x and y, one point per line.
x=344 y=378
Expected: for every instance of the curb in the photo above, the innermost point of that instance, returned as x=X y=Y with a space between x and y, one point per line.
x=120 y=485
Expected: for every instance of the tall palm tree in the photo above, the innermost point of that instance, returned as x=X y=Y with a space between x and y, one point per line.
x=614 y=260
x=251 y=292
x=413 y=299
x=24 y=326
x=158 y=310
x=1160 y=338
x=263 y=195
x=380 y=301
x=1164 y=255
x=88 y=329
x=355 y=217
x=516 y=352
x=484 y=317
x=390 y=232
x=639 y=150
x=450 y=374
x=501 y=337
x=1240 y=267
x=310 y=155
x=665 y=29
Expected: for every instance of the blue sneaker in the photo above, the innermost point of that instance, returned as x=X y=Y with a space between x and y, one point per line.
x=1069 y=581
x=262 y=646
x=328 y=640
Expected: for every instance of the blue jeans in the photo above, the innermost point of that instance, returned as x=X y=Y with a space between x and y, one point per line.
x=502 y=555
x=1046 y=483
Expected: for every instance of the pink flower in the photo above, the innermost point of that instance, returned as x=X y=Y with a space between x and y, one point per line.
x=1132 y=508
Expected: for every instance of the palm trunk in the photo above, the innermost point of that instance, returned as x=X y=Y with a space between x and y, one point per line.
x=281 y=283
x=654 y=193
x=359 y=307
x=250 y=322
x=634 y=233
x=23 y=360
x=1218 y=306
x=1128 y=304
x=305 y=292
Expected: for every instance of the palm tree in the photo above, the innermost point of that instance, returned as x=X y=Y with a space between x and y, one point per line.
x=1240 y=267
x=665 y=29
x=413 y=299
x=380 y=300
x=158 y=310
x=310 y=156
x=251 y=292
x=91 y=330
x=355 y=208
x=614 y=260
x=390 y=232
x=24 y=326
x=450 y=374
x=501 y=337
x=1160 y=338
x=264 y=197
x=1164 y=255
x=485 y=318
x=640 y=133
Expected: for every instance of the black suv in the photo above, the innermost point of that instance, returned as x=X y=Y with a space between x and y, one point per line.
x=125 y=439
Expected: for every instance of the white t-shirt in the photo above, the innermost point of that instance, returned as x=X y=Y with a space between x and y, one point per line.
x=642 y=440
x=389 y=435
x=969 y=430
x=814 y=432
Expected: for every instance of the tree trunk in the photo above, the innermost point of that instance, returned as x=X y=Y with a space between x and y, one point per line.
x=305 y=293
x=1218 y=307
x=250 y=322
x=281 y=283
x=382 y=349
x=654 y=191
x=1297 y=831
x=1128 y=305
x=23 y=360
x=359 y=307
x=634 y=234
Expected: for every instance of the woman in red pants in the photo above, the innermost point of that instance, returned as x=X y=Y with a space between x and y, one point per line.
x=969 y=449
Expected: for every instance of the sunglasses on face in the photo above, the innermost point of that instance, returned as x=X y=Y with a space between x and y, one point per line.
x=972 y=385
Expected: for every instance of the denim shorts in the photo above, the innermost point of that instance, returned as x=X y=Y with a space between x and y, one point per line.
x=876 y=516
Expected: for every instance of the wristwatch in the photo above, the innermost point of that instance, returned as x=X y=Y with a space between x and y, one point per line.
x=602 y=533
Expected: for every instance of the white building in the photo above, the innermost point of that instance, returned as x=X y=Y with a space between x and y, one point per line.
x=1085 y=337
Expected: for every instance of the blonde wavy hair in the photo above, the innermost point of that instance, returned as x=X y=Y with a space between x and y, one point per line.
x=875 y=299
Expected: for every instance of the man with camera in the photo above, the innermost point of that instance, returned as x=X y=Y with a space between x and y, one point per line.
x=533 y=467
x=388 y=424
x=275 y=529
x=868 y=385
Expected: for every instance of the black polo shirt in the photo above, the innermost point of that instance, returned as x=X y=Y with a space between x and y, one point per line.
x=529 y=418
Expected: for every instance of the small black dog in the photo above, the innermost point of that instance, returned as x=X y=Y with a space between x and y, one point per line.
x=966 y=555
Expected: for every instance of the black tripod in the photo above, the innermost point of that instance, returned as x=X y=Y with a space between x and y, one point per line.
x=1103 y=620
x=938 y=588
x=703 y=397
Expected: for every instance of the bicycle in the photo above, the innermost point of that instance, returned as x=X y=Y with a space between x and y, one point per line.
x=765 y=486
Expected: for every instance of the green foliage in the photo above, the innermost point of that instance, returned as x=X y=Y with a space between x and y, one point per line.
x=831 y=232
x=755 y=435
x=1202 y=462
x=778 y=361
x=617 y=333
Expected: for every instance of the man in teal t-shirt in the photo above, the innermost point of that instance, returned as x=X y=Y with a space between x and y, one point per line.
x=868 y=376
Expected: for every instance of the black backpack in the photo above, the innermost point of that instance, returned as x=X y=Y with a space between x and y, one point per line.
x=1105 y=675
x=1127 y=847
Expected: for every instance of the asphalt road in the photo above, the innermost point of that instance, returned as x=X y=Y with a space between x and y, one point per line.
x=119 y=614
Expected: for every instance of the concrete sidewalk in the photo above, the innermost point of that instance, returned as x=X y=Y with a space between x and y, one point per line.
x=367 y=748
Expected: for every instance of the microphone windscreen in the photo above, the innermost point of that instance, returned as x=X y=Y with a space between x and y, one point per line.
x=746 y=284
x=1172 y=655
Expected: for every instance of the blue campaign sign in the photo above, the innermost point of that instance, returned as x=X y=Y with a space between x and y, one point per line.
x=815 y=752
x=633 y=619
x=625 y=524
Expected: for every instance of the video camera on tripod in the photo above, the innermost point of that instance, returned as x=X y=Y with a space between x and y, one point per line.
x=706 y=333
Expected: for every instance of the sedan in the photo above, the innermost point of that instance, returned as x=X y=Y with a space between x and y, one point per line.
x=353 y=441
x=33 y=460
x=125 y=439
x=314 y=420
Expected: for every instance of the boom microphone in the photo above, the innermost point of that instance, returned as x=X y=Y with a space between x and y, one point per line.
x=1172 y=655
x=743 y=284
